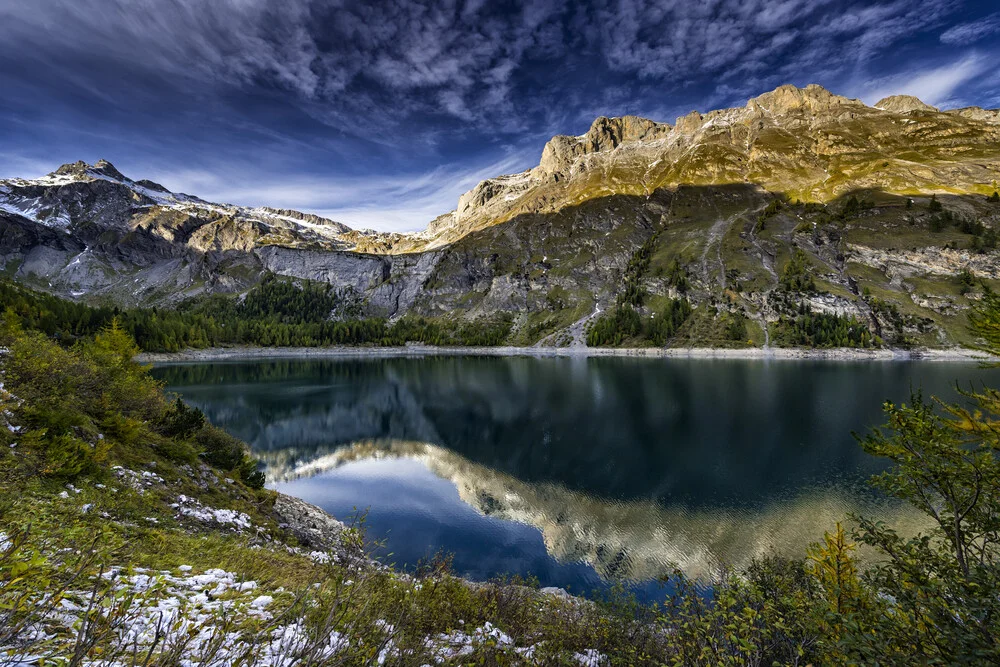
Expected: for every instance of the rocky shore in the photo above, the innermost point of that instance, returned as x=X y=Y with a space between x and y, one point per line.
x=836 y=354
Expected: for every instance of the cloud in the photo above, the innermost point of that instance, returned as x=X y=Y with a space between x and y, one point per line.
x=402 y=202
x=935 y=86
x=967 y=33
x=365 y=67
x=370 y=69
x=330 y=105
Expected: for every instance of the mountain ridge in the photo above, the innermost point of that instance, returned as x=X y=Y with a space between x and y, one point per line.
x=673 y=152
x=885 y=211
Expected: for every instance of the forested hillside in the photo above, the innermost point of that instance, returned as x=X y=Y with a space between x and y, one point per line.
x=275 y=312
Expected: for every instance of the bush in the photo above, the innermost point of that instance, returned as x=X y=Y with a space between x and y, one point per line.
x=180 y=421
x=68 y=456
x=251 y=474
x=225 y=452
x=219 y=449
x=80 y=403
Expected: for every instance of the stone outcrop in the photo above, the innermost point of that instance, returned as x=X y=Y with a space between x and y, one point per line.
x=991 y=116
x=310 y=525
x=812 y=99
x=903 y=104
x=605 y=134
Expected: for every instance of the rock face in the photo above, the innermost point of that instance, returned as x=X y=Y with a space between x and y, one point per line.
x=978 y=113
x=90 y=230
x=903 y=104
x=310 y=525
x=605 y=134
x=550 y=245
x=806 y=142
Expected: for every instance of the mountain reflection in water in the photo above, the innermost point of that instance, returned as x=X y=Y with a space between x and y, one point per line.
x=626 y=467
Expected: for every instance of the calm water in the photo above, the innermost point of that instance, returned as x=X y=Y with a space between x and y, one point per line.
x=575 y=471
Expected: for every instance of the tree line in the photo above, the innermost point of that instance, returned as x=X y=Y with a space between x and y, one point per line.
x=809 y=329
x=275 y=312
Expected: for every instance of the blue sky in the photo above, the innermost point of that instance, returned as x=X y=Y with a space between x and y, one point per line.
x=380 y=114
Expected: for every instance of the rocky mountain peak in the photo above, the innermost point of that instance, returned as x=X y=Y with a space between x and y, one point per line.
x=81 y=169
x=604 y=134
x=903 y=104
x=78 y=168
x=105 y=168
x=785 y=99
x=608 y=133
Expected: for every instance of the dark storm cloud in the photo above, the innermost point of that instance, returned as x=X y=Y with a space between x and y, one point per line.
x=279 y=93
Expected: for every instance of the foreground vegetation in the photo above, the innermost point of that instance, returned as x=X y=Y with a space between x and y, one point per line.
x=134 y=533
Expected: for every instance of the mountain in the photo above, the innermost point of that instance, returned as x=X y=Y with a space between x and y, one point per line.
x=799 y=201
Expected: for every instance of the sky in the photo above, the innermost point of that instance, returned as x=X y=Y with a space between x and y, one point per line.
x=380 y=114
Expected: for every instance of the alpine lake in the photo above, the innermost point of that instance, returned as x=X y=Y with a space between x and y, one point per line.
x=577 y=472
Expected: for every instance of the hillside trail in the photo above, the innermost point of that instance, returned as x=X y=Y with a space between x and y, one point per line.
x=715 y=234
x=767 y=261
x=577 y=330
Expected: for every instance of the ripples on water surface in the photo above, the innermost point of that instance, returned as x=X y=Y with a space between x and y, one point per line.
x=576 y=471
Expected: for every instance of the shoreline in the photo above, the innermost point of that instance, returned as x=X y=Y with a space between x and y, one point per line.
x=241 y=353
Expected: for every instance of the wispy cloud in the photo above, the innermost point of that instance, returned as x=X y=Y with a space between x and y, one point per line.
x=401 y=202
x=935 y=85
x=333 y=96
x=967 y=33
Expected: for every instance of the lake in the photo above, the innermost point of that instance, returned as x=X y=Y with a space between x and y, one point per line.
x=575 y=471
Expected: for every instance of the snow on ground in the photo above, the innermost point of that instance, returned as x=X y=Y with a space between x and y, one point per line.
x=190 y=507
x=204 y=616
x=201 y=614
x=31 y=209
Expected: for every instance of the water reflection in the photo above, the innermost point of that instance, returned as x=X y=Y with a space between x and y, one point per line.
x=631 y=540
x=624 y=466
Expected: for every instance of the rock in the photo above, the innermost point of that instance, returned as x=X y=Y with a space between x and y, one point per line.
x=605 y=134
x=557 y=592
x=787 y=98
x=689 y=123
x=991 y=116
x=310 y=525
x=105 y=168
x=609 y=133
x=903 y=104
x=558 y=155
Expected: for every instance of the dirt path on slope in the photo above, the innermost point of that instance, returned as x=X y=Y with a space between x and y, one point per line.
x=715 y=234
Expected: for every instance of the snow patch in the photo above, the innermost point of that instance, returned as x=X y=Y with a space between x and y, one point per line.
x=189 y=507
